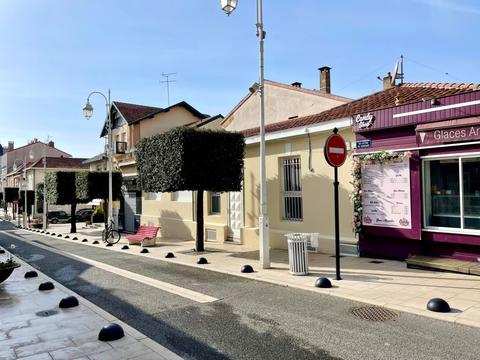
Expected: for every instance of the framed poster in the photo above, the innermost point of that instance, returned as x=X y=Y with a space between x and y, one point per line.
x=386 y=200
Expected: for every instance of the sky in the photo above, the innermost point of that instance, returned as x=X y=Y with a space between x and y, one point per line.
x=53 y=53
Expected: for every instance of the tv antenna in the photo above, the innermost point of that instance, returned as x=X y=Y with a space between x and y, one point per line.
x=398 y=71
x=168 y=81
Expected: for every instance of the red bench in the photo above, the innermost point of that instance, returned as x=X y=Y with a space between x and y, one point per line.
x=145 y=236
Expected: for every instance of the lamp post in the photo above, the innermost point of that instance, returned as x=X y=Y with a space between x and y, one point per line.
x=88 y=112
x=45 y=219
x=30 y=156
x=229 y=6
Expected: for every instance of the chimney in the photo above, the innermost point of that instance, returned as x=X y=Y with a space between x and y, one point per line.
x=51 y=144
x=297 y=84
x=10 y=146
x=387 y=81
x=325 y=79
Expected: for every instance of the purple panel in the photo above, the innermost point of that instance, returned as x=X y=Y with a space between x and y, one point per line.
x=452 y=238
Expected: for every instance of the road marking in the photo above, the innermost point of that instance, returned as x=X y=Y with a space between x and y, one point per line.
x=173 y=289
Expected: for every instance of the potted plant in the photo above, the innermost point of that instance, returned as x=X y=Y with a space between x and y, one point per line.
x=7 y=267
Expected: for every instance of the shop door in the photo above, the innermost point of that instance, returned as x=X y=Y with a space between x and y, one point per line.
x=130 y=210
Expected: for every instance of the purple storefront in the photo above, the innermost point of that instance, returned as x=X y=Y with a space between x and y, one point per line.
x=426 y=201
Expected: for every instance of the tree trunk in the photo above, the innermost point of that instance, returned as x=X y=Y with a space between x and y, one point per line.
x=199 y=244
x=73 y=220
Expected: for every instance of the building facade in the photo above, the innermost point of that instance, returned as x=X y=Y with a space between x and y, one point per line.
x=425 y=199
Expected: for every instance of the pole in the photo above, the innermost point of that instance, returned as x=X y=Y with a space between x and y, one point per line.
x=45 y=225
x=337 y=230
x=25 y=205
x=110 y=164
x=263 y=217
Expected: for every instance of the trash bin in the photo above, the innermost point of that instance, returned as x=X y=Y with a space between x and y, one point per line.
x=297 y=253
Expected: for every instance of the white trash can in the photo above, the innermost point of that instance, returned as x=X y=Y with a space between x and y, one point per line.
x=297 y=253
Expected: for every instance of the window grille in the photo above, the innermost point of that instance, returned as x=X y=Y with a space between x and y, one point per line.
x=215 y=203
x=292 y=189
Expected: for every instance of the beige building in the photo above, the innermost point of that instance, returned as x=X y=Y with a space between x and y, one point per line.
x=131 y=123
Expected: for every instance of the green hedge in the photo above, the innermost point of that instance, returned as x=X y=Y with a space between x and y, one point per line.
x=94 y=185
x=11 y=194
x=61 y=188
x=191 y=159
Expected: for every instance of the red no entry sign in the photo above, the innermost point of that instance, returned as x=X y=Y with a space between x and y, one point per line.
x=335 y=150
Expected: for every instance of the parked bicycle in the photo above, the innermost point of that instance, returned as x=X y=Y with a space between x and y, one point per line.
x=110 y=235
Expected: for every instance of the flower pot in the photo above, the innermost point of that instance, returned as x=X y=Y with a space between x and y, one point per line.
x=6 y=272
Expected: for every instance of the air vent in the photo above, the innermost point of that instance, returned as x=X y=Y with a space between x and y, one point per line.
x=211 y=234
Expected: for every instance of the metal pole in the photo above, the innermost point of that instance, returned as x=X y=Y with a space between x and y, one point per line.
x=110 y=164
x=337 y=229
x=263 y=218
x=45 y=225
x=25 y=205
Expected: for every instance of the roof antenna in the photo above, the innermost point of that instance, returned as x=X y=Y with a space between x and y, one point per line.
x=168 y=81
x=398 y=71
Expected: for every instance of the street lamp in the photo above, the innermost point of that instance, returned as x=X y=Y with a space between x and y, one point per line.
x=15 y=167
x=228 y=6
x=88 y=112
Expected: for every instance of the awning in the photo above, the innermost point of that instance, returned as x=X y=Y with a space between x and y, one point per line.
x=445 y=124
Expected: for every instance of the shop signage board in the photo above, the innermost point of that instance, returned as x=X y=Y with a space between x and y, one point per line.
x=386 y=198
x=449 y=135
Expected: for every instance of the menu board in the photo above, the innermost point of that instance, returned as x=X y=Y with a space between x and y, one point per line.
x=386 y=194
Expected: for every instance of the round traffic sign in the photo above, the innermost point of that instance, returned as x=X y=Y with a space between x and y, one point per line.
x=335 y=150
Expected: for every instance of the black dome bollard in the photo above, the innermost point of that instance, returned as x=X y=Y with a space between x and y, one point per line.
x=84 y=240
x=74 y=238
x=30 y=274
x=144 y=251
x=59 y=235
x=95 y=242
x=46 y=286
x=2 y=251
x=111 y=332
x=109 y=244
x=68 y=302
x=43 y=231
x=67 y=237
x=48 y=233
x=202 y=261
x=438 y=305
x=125 y=247
x=323 y=282
x=247 y=269
x=169 y=255
x=53 y=234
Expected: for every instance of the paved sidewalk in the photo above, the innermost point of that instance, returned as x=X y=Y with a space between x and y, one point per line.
x=386 y=283
x=70 y=333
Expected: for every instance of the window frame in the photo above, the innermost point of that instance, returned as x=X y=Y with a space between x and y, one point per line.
x=210 y=207
x=441 y=229
x=283 y=192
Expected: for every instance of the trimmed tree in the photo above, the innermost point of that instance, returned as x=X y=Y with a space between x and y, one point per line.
x=191 y=159
x=61 y=191
x=39 y=197
x=94 y=185
x=30 y=200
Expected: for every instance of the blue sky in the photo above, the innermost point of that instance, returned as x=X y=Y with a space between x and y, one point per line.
x=54 y=52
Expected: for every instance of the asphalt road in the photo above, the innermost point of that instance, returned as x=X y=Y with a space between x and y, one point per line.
x=251 y=320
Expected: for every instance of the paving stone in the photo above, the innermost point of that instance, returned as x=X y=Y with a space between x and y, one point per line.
x=40 y=347
x=43 y=356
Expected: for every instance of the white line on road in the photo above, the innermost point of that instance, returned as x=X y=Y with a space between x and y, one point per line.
x=173 y=289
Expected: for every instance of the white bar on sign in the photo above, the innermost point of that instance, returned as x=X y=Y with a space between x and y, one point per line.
x=336 y=150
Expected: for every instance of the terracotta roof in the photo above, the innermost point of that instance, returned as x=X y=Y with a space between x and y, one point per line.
x=61 y=162
x=289 y=87
x=38 y=142
x=134 y=112
x=405 y=93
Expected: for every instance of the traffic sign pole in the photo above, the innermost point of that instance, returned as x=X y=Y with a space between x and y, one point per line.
x=336 y=153
x=337 y=227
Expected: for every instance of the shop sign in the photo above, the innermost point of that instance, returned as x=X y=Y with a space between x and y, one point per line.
x=364 y=121
x=386 y=194
x=364 y=144
x=442 y=136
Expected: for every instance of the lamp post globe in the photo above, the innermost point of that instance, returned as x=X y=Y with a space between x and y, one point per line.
x=88 y=110
x=228 y=6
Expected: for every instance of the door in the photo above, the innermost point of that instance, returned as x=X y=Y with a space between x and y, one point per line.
x=129 y=211
x=235 y=215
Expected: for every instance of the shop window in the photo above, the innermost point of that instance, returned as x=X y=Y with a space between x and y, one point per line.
x=215 y=203
x=452 y=193
x=292 y=208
